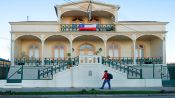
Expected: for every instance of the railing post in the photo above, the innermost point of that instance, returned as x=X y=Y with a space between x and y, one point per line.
x=153 y=70
x=141 y=74
x=127 y=71
x=52 y=71
x=161 y=71
x=22 y=72
x=7 y=72
x=38 y=74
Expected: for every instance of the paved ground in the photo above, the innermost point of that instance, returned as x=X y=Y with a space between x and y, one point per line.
x=165 y=95
x=79 y=89
x=93 y=96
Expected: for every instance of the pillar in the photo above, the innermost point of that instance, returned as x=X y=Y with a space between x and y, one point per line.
x=134 y=49
x=42 y=51
x=164 y=50
x=71 y=68
x=12 y=52
x=105 y=42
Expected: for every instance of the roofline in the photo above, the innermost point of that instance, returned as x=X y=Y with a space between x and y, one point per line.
x=34 y=23
x=142 y=22
x=67 y=4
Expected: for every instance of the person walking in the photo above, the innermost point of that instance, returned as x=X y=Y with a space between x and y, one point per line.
x=106 y=80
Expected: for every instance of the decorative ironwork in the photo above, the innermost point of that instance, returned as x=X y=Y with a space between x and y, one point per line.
x=99 y=27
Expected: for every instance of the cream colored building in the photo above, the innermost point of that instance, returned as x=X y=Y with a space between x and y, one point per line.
x=111 y=37
x=90 y=33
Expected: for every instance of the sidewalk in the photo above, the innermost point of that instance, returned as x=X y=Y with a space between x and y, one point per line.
x=167 y=89
x=93 y=96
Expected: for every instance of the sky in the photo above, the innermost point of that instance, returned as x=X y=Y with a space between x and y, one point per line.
x=130 y=10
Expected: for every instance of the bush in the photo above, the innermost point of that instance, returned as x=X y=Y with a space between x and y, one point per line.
x=83 y=91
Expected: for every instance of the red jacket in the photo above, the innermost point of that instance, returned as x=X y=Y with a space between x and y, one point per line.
x=105 y=76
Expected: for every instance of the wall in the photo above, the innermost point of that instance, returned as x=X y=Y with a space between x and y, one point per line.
x=35 y=28
x=146 y=44
x=25 y=45
x=156 y=48
x=125 y=47
x=141 y=27
x=49 y=46
x=17 y=49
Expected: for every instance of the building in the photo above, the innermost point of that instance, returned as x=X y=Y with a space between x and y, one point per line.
x=88 y=30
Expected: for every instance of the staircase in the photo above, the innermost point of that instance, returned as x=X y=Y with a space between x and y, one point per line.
x=47 y=72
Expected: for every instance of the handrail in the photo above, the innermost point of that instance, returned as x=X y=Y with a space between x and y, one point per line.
x=64 y=64
x=121 y=60
x=117 y=65
x=142 y=60
x=21 y=68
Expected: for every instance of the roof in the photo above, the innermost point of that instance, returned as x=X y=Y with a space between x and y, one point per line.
x=55 y=22
x=1 y=59
x=142 y=22
x=35 y=22
x=87 y=1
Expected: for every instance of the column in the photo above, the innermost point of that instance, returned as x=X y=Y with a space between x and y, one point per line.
x=134 y=46
x=116 y=15
x=58 y=13
x=71 y=48
x=42 y=51
x=164 y=50
x=12 y=52
x=71 y=68
x=105 y=42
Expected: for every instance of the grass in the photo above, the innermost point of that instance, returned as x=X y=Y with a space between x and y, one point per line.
x=84 y=91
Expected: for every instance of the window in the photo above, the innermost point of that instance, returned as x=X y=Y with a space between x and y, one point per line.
x=139 y=51
x=34 y=52
x=59 y=52
x=113 y=50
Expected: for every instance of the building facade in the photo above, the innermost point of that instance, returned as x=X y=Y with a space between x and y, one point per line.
x=98 y=33
x=86 y=39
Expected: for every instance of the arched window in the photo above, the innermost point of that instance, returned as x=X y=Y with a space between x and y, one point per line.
x=86 y=49
x=139 y=51
x=59 y=52
x=33 y=52
x=113 y=50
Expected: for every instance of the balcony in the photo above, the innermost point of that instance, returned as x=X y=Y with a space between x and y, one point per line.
x=87 y=27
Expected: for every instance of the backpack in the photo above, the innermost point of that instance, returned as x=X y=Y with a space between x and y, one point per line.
x=110 y=76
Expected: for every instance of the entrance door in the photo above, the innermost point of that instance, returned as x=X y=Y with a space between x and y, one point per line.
x=86 y=49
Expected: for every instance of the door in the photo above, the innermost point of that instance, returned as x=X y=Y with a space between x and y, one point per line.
x=86 y=49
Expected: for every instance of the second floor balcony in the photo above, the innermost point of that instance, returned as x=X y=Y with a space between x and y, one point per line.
x=54 y=26
x=87 y=27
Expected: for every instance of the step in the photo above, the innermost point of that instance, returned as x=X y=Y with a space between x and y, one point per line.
x=13 y=85
x=14 y=81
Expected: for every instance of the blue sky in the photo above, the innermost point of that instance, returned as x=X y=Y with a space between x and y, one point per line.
x=43 y=10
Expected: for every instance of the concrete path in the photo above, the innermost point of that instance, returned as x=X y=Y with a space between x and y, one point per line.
x=93 y=96
x=172 y=89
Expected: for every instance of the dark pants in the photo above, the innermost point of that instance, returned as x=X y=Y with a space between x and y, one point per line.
x=106 y=81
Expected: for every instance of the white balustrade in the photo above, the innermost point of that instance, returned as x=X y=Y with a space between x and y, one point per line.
x=90 y=59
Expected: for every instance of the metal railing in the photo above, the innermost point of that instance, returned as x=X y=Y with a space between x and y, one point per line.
x=31 y=61
x=130 y=60
x=99 y=27
x=129 y=70
x=47 y=73
x=16 y=76
x=119 y=60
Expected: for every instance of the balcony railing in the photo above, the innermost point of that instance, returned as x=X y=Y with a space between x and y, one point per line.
x=96 y=27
